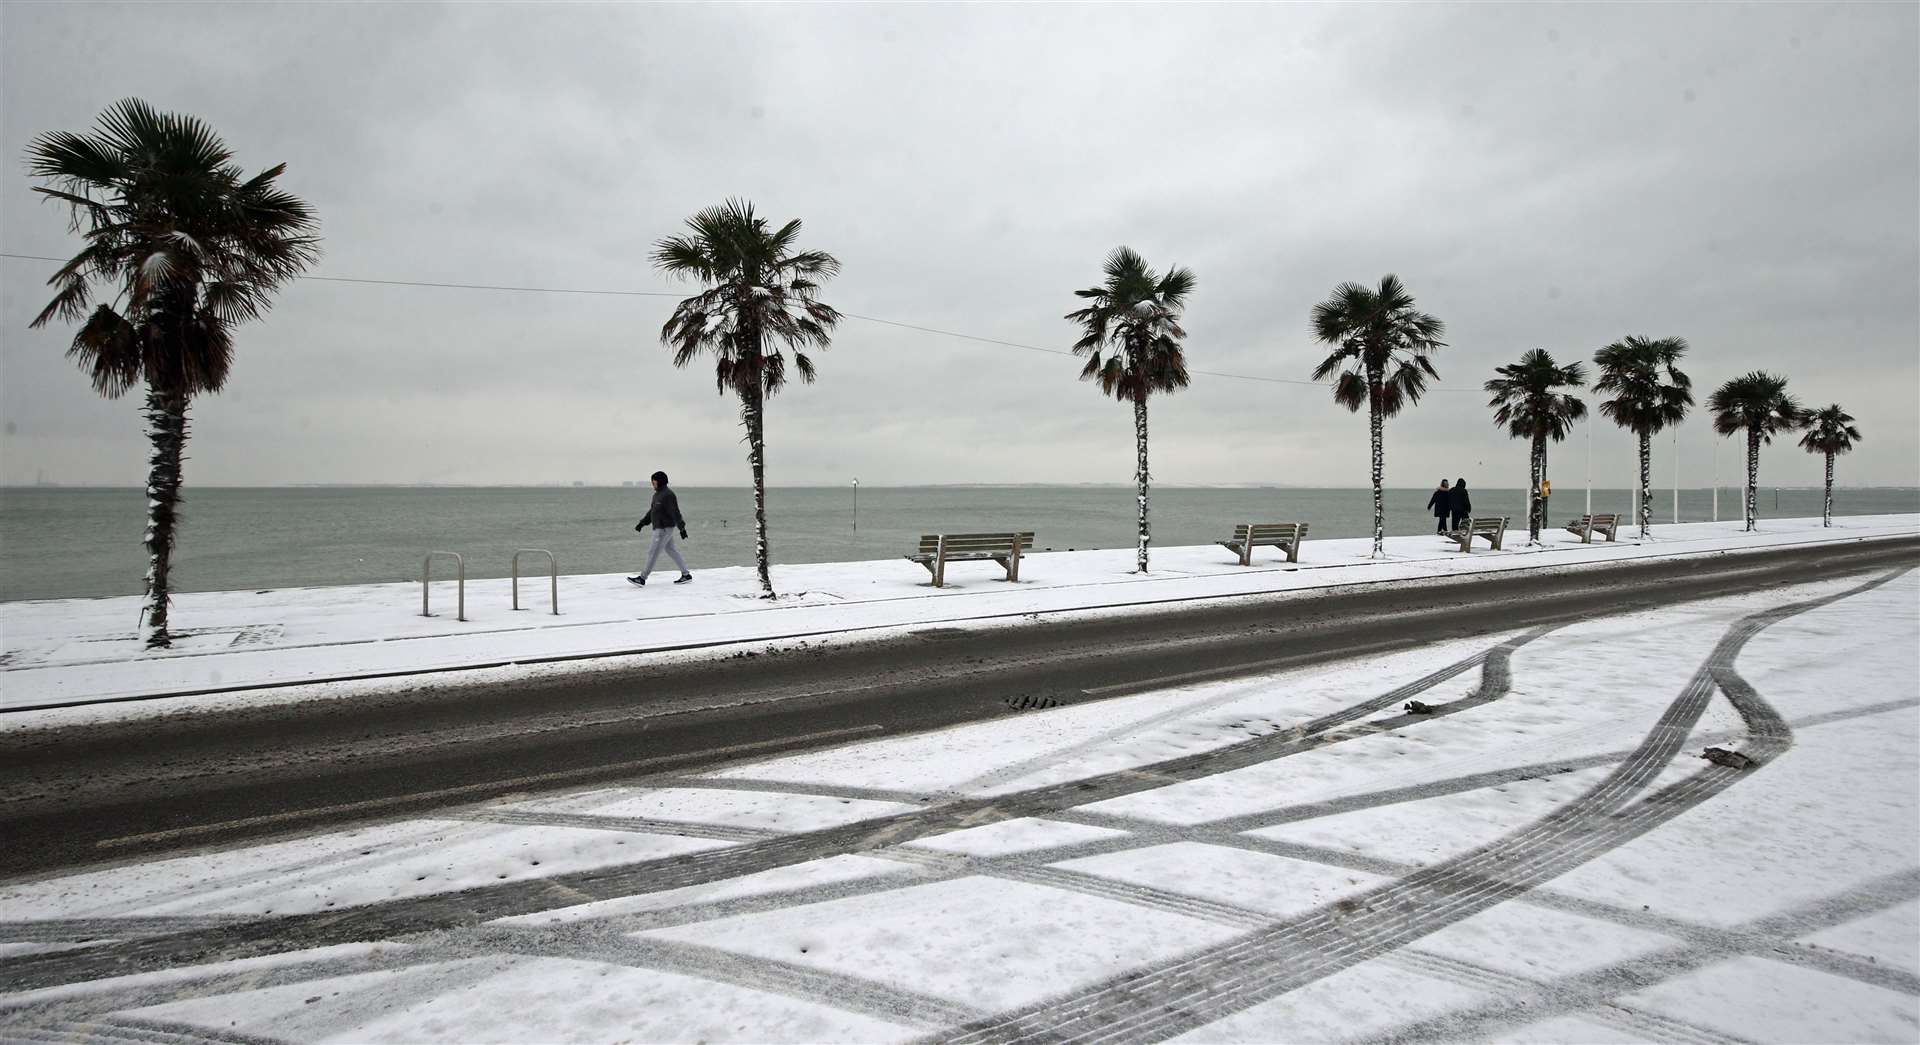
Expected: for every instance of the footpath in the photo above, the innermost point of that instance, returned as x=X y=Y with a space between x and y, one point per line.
x=62 y=653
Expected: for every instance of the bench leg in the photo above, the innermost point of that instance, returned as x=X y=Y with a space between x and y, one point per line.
x=1293 y=550
x=940 y=570
x=1013 y=567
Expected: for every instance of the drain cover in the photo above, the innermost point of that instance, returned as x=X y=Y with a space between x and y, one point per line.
x=1030 y=703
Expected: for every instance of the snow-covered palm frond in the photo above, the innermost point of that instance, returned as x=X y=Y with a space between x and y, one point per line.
x=176 y=230
x=1527 y=397
x=757 y=297
x=1378 y=336
x=1130 y=329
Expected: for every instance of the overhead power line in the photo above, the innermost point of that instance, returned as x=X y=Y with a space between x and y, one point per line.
x=671 y=294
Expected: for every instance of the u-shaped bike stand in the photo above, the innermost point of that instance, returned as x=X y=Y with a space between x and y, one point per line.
x=553 y=578
x=426 y=575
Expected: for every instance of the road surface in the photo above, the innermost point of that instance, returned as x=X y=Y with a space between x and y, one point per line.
x=112 y=793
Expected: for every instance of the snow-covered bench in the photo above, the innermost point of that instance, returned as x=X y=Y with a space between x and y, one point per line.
x=1248 y=536
x=938 y=549
x=1494 y=530
x=1588 y=525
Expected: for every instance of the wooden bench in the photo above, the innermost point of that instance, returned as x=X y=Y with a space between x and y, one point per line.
x=1588 y=525
x=938 y=549
x=1248 y=536
x=1494 y=530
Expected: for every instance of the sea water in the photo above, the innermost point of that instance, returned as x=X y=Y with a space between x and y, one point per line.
x=59 y=542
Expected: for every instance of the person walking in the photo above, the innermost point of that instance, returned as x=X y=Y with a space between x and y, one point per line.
x=1440 y=504
x=664 y=516
x=1459 y=503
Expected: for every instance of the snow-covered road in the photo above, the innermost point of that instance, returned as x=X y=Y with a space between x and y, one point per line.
x=1540 y=857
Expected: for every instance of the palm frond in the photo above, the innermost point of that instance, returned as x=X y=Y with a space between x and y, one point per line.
x=1130 y=327
x=188 y=245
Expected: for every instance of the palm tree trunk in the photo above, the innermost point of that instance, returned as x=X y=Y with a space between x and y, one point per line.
x=1826 y=506
x=753 y=416
x=1646 y=484
x=166 y=414
x=1753 y=479
x=1140 y=475
x=1535 y=507
x=1377 y=428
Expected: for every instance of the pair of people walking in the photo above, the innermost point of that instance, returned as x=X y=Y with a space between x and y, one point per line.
x=1450 y=506
x=663 y=515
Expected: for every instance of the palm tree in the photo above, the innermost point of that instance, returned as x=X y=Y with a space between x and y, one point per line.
x=1531 y=408
x=1643 y=401
x=1132 y=344
x=189 y=248
x=1757 y=403
x=757 y=298
x=1381 y=344
x=1830 y=431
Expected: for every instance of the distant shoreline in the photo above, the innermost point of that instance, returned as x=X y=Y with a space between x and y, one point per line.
x=1564 y=487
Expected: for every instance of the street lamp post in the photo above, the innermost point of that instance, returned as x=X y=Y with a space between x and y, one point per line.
x=856 y=505
x=1716 y=480
x=1676 y=475
x=1589 y=463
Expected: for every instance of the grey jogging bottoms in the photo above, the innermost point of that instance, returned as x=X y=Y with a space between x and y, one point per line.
x=663 y=541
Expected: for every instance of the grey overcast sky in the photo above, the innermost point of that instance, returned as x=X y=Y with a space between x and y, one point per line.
x=1745 y=176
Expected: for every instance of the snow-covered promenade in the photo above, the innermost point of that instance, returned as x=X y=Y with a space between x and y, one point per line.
x=1542 y=856
x=81 y=651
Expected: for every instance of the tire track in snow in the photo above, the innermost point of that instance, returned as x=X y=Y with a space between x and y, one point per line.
x=595 y=822
x=1647 y=1026
x=1171 y=997
x=1575 y=994
x=792 y=980
x=278 y=934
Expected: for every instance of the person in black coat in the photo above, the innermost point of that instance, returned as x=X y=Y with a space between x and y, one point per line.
x=664 y=516
x=1459 y=504
x=1440 y=504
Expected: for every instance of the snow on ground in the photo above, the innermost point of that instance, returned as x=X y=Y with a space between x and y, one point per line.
x=340 y=869
x=1014 y=836
x=1346 y=1006
x=1081 y=740
x=767 y=811
x=1785 y=906
x=952 y=939
x=515 y=999
x=1277 y=885
x=77 y=651
x=1759 y=1000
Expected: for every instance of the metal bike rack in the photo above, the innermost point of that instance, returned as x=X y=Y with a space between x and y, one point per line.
x=553 y=577
x=426 y=575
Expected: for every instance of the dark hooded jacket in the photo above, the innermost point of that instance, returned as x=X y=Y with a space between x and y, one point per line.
x=1458 y=501
x=1440 y=503
x=664 y=512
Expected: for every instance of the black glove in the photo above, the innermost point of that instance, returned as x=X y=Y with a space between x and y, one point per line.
x=639 y=527
x=683 y=533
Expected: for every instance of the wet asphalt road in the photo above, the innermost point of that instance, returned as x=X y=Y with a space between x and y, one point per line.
x=111 y=793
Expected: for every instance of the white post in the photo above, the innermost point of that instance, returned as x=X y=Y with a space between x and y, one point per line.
x=1716 y=480
x=1589 y=462
x=1676 y=475
x=856 y=504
